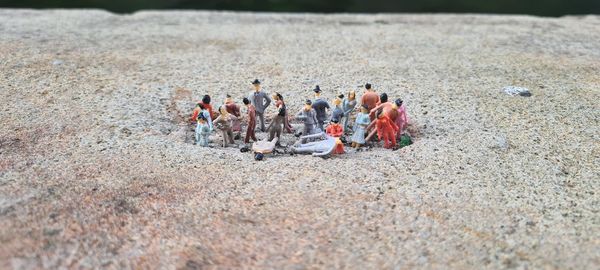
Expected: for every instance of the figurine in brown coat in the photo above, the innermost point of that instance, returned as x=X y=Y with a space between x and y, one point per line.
x=224 y=123
x=251 y=121
x=276 y=126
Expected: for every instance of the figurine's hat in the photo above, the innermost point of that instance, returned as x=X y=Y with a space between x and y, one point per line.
x=317 y=89
x=368 y=86
x=341 y=96
x=256 y=81
x=335 y=120
x=308 y=102
x=399 y=102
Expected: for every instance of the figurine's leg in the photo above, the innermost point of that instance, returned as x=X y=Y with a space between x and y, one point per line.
x=230 y=136
x=224 y=138
x=306 y=130
x=197 y=137
x=393 y=139
x=271 y=134
x=346 y=123
x=261 y=117
x=247 y=136
x=286 y=125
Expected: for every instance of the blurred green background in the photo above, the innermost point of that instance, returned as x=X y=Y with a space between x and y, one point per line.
x=532 y=7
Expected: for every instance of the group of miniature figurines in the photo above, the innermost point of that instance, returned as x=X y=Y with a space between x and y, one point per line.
x=377 y=118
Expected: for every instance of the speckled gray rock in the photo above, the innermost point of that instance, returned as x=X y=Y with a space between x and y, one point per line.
x=97 y=166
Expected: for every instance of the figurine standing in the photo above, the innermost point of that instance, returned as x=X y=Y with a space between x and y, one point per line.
x=224 y=123
x=335 y=130
x=337 y=113
x=320 y=106
x=348 y=106
x=401 y=118
x=234 y=109
x=276 y=126
x=261 y=101
x=251 y=121
x=386 y=106
x=309 y=116
x=360 y=127
x=201 y=110
x=206 y=104
x=370 y=98
x=202 y=131
x=279 y=102
x=386 y=130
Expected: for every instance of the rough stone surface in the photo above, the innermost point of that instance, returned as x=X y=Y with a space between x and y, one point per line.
x=97 y=168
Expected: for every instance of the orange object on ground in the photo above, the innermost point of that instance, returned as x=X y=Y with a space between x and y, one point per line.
x=386 y=131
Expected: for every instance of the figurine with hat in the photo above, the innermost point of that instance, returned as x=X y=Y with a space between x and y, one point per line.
x=260 y=100
x=309 y=117
x=321 y=106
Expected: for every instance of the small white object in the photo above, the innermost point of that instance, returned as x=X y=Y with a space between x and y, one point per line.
x=57 y=62
x=516 y=90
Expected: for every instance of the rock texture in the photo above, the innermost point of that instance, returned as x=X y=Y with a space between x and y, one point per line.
x=98 y=169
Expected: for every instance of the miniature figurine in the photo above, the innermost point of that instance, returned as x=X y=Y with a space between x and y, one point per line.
x=324 y=145
x=234 y=109
x=195 y=113
x=279 y=102
x=360 y=127
x=309 y=116
x=224 y=123
x=276 y=126
x=263 y=147
x=348 y=106
x=337 y=113
x=320 y=107
x=401 y=118
x=206 y=103
x=251 y=121
x=370 y=98
x=386 y=106
x=201 y=110
x=261 y=101
x=335 y=130
x=386 y=130
x=202 y=131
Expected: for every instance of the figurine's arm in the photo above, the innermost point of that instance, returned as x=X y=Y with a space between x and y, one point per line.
x=316 y=135
x=374 y=110
x=267 y=99
x=300 y=116
x=371 y=124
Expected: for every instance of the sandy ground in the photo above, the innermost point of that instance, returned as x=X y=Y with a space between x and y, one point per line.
x=98 y=169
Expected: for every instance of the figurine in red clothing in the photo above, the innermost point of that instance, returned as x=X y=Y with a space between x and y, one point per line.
x=251 y=121
x=234 y=109
x=336 y=130
x=206 y=103
x=386 y=130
